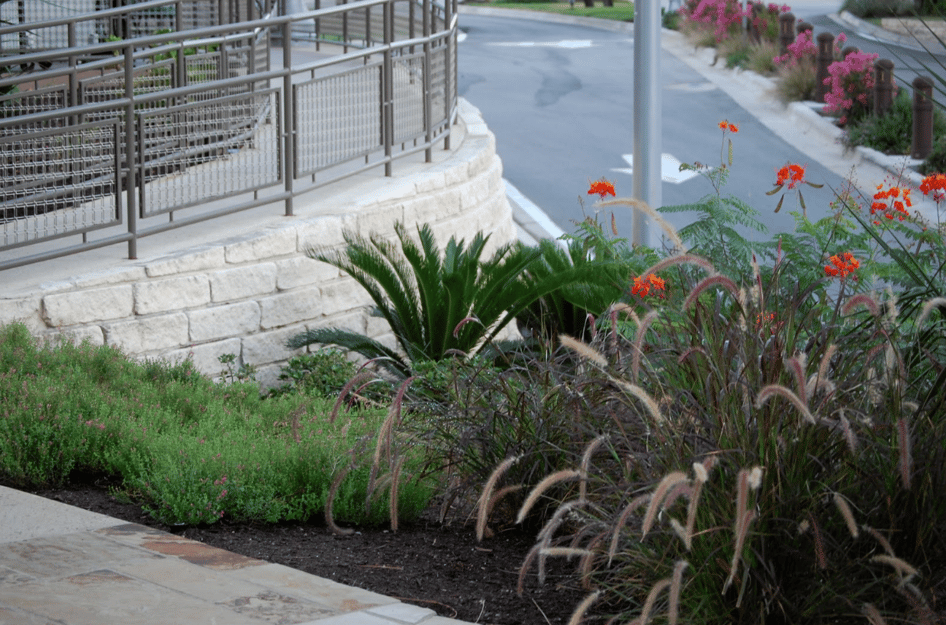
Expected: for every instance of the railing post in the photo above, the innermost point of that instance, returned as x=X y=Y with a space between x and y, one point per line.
x=387 y=87
x=786 y=30
x=448 y=7
x=73 y=77
x=922 y=117
x=428 y=96
x=130 y=152
x=345 y=29
x=318 y=26
x=825 y=58
x=289 y=122
x=883 y=86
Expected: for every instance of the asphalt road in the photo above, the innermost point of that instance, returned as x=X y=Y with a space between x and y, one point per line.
x=559 y=99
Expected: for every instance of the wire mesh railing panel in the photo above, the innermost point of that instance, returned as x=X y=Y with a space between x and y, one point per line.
x=217 y=149
x=408 y=82
x=59 y=182
x=199 y=14
x=337 y=119
x=438 y=83
x=202 y=67
x=33 y=101
x=111 y=86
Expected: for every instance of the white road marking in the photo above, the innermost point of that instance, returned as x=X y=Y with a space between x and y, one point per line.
x=570 y=44
x=669 y=169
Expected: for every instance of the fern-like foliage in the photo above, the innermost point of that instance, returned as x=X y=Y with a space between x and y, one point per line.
x=714 y=232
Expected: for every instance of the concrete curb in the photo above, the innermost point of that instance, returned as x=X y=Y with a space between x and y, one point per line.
x=555 y=18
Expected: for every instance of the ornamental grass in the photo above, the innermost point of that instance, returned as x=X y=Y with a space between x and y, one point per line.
x=753 y=433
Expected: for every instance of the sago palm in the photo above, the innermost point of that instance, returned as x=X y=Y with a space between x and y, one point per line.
x=436 y=303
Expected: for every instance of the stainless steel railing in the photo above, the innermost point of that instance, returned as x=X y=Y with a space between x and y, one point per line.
x=114 y=141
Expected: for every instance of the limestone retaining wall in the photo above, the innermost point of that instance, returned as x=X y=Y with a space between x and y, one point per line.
x=247 y=294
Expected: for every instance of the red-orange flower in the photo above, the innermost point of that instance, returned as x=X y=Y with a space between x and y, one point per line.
x=602 y=188
x=767 y=322
x=935 y=184
x=793 y=174
x=842 y=266
x=725 y=125
x=889 y=203
x=644 y=284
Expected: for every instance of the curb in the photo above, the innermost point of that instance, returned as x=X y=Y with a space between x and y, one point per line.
x=555 y=18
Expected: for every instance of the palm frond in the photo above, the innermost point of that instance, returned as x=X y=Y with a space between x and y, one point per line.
x=352 y=341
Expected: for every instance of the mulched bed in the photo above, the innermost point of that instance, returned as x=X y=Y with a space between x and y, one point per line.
x=441 y=567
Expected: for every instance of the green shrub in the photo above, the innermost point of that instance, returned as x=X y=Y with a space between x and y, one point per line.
x=188 y=450
x=323 y=373
x=891 y=133
x=669 y=19
x=936 y=160
x=879 y=8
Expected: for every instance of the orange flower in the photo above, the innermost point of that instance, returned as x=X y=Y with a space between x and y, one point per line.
x=935 y=184
x=842 y=266
x=644 y=284
x=793 y=174
x=725 y=125
x=895 y=207
x=602 y=188
x=766 y=321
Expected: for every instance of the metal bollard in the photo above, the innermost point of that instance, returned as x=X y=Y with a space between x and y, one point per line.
x=825 y=58
x=786 y=30
x=849 y=50
x=801 y=27
x=922 y=117
x=883 y=86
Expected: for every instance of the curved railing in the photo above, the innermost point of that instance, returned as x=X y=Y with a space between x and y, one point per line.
x=115 y=141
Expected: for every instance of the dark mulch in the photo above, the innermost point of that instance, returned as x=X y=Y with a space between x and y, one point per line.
x=441 y=567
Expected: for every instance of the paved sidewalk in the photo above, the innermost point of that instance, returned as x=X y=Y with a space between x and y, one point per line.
x=65 y=566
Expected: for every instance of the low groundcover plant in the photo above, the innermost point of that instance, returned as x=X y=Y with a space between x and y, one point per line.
x=187 y=449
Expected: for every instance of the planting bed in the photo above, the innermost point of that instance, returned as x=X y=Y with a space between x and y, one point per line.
x=425 y=563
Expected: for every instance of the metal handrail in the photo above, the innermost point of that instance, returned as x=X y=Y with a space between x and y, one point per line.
x=132 y=189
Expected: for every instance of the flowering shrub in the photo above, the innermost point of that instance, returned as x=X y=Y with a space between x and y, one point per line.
x=781 y=471
x=851 y=82
x=723 y=17
x=766 y=21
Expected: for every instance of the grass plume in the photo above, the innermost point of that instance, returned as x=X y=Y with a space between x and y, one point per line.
x=773 y=390
x=485 y=503
x=666 y=484
x=541 y=487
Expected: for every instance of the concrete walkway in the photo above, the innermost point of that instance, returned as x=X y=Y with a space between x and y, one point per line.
x=63 y=565
x=66 y=566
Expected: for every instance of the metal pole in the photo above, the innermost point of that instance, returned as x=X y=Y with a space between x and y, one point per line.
x=130 y=155
x=647 y=117
x=387 y=88
x=289 y=119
